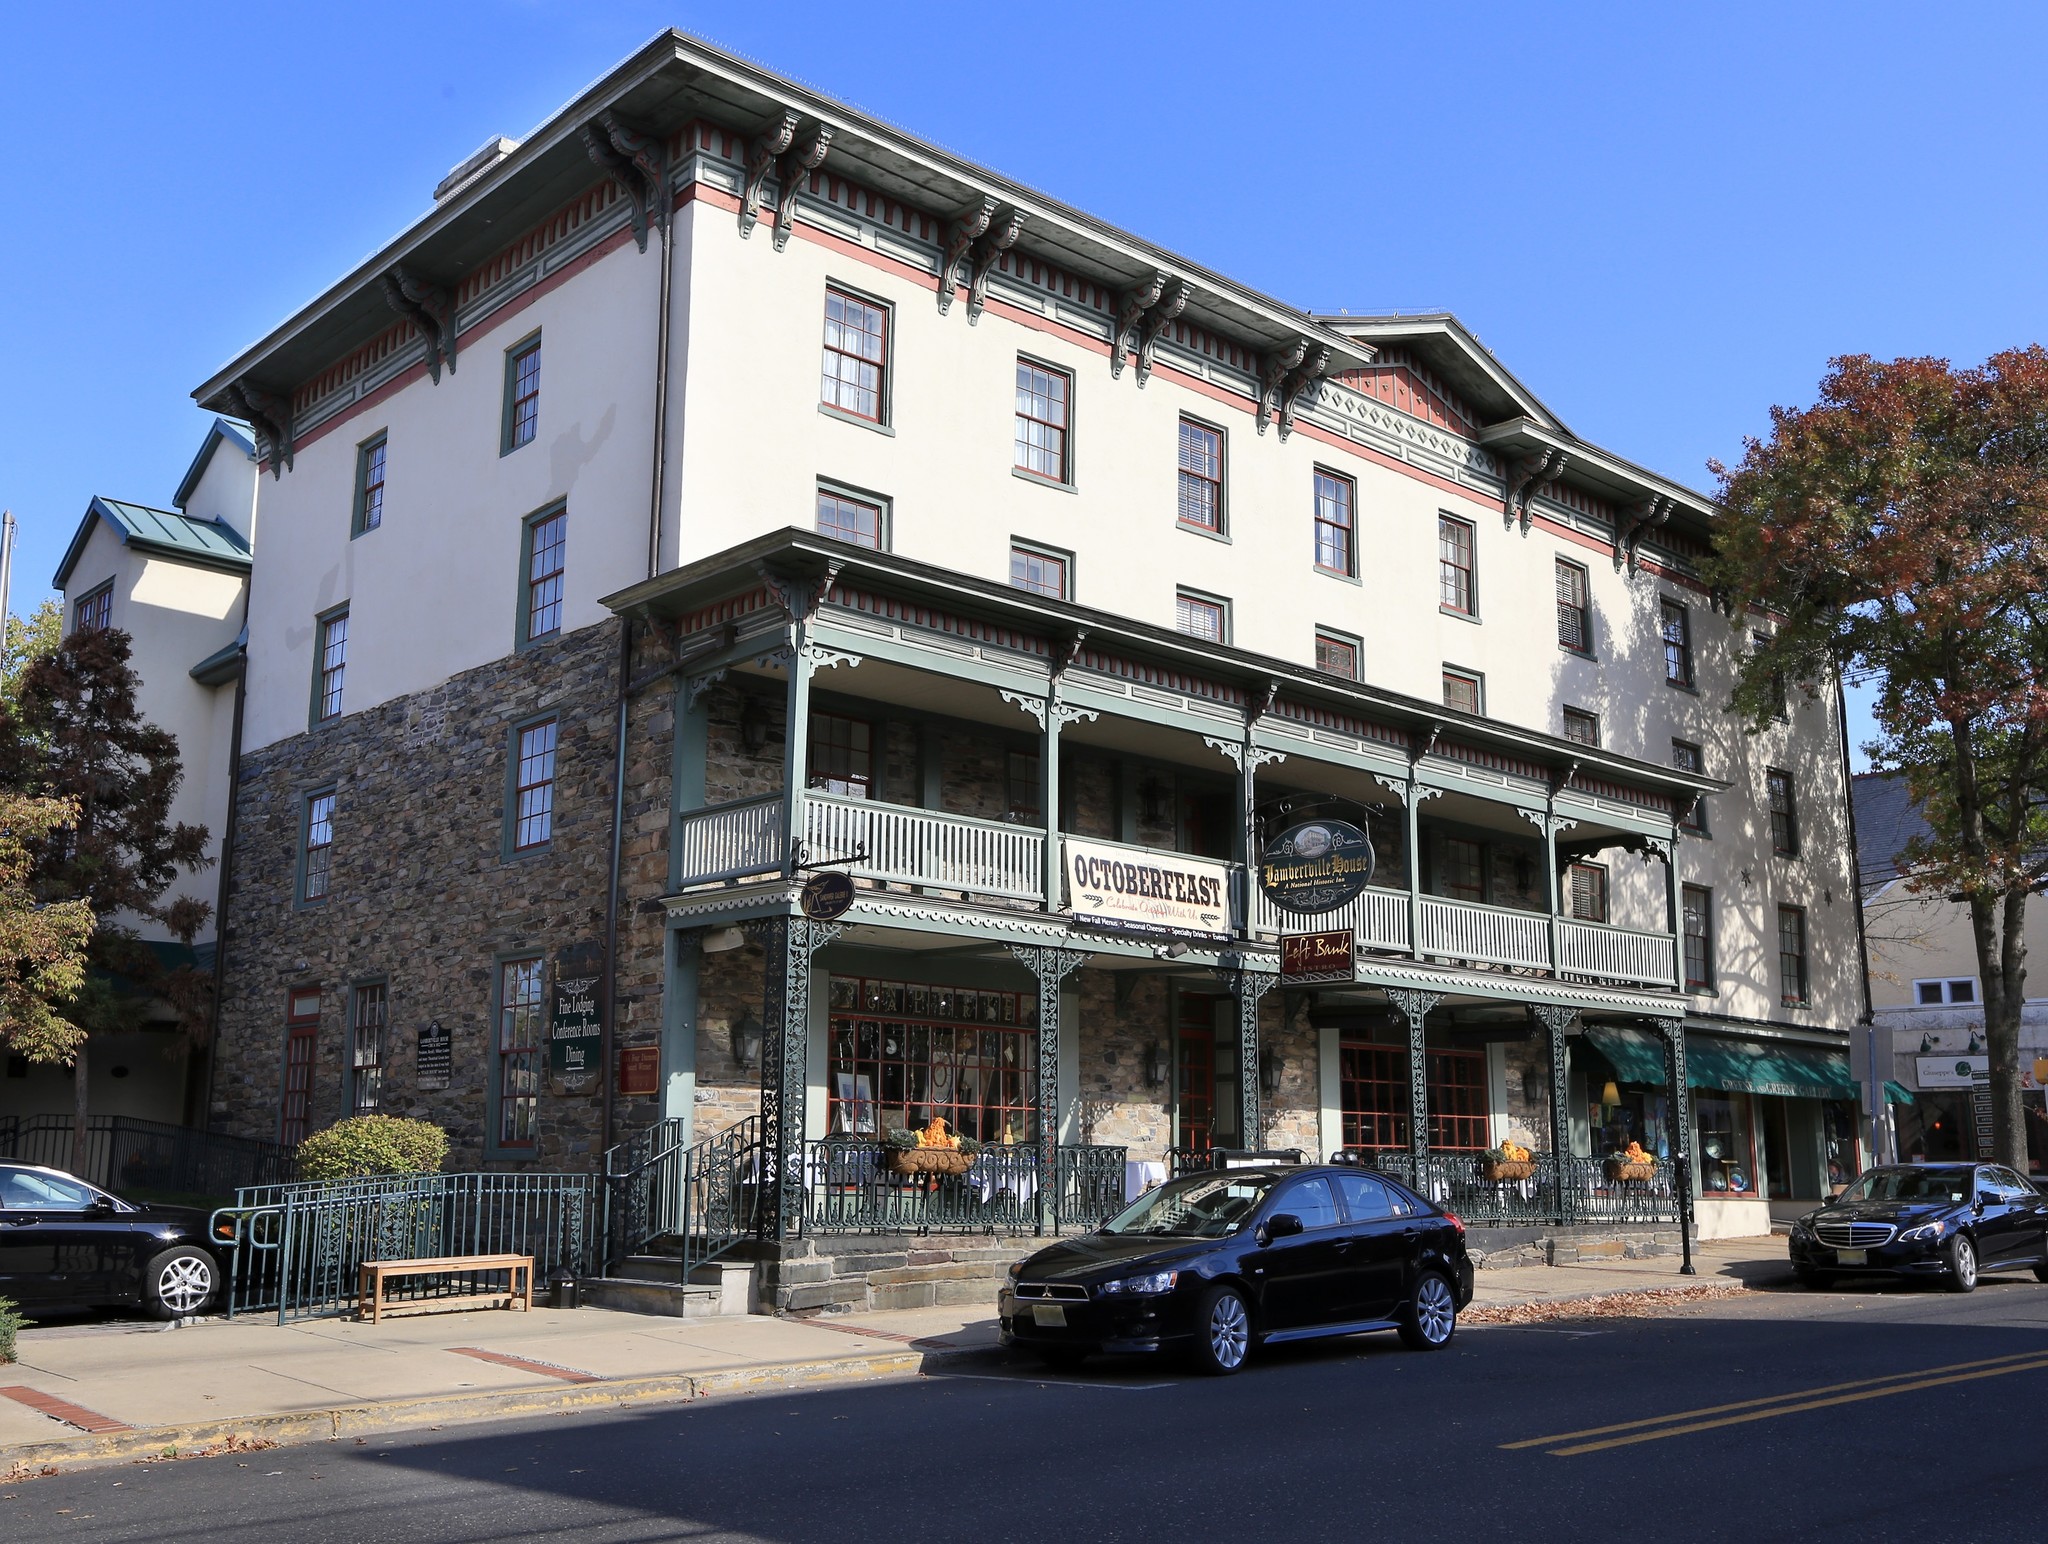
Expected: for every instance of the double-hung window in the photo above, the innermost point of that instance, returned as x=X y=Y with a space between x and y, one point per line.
x=533 y=784
x=1336 y=654
x=1454 y=561
x=1464 y=690
x=842 y=755
x=1335 y=498
x=95 y=609
x=1040 y=570
x=543 y=563
x=1574 y=613
x=1688 y=757
x=330 y=664
x=1201 y=476
x=369 y=1014
x=301 y=1045
x=316 y=856
x=1792 y=955
x=849 y=519
x=1677 y=630
x=1044 y=397
x=519 y=1049
x=854 y=378
x=1581 y=727
x=1202 y=616
x=369 y=510
x=1784 y=813
x=522 y=394
x=1697 y=904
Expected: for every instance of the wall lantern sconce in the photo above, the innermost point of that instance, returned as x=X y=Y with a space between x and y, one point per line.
x=1152 y=801
x=723 y=940
x=1926 y=1042
x=1155 y=1066
x=1976 y=1042
x=754 y=726
x=1269 y=1071
x=746 y=1041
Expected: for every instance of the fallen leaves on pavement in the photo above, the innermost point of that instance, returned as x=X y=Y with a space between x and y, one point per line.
x=1614 y=1305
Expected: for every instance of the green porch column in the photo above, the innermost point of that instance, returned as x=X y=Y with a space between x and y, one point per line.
x=1674 y=897
x=1052 y=716
x=1556 y=1023
x=1418 y=795
x=1051 y=966
x=1679 y=1093
x=1414 y=1007
x=790 y=942
x=1247 y=755
x=1552 y=826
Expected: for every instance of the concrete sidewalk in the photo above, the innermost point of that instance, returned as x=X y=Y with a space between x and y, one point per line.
x=110 y=1390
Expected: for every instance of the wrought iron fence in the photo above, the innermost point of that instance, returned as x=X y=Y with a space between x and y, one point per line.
x=149 y=1158
x=1091 y=1189
x=847 y=1190
x=698 y=1200
x=1600 y=1194
x=1591 y=1189
x=296 y=1249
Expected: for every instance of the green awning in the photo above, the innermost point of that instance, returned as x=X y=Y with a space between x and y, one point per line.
x=1730 y=1066
x=1897 y=1093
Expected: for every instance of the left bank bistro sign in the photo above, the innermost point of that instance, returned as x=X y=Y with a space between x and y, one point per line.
x=1145 y=892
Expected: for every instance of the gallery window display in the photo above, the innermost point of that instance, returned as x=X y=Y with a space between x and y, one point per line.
x=900 y=1053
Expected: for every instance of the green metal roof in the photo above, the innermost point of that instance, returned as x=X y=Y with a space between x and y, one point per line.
x=1730 y=1066
x=165 y=532
x=223 y=430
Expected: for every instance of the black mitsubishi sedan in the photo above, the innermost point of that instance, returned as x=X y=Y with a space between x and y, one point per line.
x=1946 y=1222
x=63 y=1241
x=1214 y=1264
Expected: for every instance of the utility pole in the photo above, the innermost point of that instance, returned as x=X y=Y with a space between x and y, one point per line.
x=6 y=562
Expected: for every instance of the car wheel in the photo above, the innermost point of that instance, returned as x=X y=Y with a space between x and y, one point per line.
x=2041 y=1272
x=1062 y=1358
x=179 y=1282
x=1962 y=1265
x=1223 y=1331
x=1430 y=1318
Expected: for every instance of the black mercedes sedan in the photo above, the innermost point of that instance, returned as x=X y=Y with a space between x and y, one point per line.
x=1214 y=1264
x=1946 y=1222
x=65 y=1242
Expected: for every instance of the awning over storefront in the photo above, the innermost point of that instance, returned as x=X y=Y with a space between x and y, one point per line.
x=1897 y=1093
x=1730 y=1066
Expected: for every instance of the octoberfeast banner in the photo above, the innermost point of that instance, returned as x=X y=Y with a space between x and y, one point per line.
x=1147 y=892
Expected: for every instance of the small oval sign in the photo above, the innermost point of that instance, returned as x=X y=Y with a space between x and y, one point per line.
x=827 y=895
x=1316 y=866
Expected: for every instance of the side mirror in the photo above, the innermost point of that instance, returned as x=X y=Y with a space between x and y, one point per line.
x=1279 y=1225
x=101 y=1204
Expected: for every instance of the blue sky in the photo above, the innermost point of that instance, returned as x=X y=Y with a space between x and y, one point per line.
x=1663 y=219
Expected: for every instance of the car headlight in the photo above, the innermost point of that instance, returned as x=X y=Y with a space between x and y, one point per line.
x=1932 y=1229
x=1135 y=1286
x=1016 y=1269
x=1803 y=1226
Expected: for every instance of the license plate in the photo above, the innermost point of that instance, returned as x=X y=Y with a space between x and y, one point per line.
x=1852 y=1256
x=1049 y=1315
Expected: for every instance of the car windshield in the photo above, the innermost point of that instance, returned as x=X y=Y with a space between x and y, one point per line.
x=1910 y=1185
x=1199 y=1206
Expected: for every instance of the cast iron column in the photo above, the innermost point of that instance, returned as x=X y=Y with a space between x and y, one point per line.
x=1680 y=1096
x=785 y=1056
x=1414 y=1007
x=1248 y=987
x=1556 y=1021
x=1051 y=966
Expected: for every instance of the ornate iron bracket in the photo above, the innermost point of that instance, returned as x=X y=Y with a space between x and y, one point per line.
x=960 y=237
x=1246 y=758
x=818 y=657
x=429 y=307
x=984 y=255
x=1546 y=823
x=1641 y=520
x=694 y=687
x=766 y=149
x=1525 y=477
x=1297 y=386
x=637 y=162
x=1130 y=305
x=1155 y=322
x=1024 y=701
x=799 y=594
x=270 y=416
x=1273 y=372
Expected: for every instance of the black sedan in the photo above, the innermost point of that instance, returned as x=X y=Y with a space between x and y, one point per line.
x=1216 y=1263
x=1946 y=1222
x=63 y=1241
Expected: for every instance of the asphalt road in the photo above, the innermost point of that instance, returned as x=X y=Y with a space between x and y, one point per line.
x=1860 y=1414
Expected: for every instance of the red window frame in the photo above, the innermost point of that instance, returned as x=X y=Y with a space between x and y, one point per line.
x=921 y=1049
x=1374 y=1097
x=301 y=1049
x=94 y=611
x=1045 y=403
x=1336 y=499
x=848 y=519
x=854 y=371
x=1337 y=656
x=1456 y=544
x=1581 y=727
x=1188 y=608
x=519 y=1045
x=1201 y=476
x=1464 y=680
x=1042 y=573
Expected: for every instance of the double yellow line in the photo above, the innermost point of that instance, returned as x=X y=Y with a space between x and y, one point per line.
x=1655 y=1428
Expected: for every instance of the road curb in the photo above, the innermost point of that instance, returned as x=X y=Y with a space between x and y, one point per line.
x=357 y=1420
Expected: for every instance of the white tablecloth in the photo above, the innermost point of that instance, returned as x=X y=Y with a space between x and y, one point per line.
x=1140 y=1175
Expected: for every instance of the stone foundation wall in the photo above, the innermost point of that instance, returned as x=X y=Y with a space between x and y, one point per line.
x=862 y=1273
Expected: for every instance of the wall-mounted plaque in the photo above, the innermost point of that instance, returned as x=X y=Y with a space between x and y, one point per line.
x=1328 y=956
x=640 y=1070
x=435 y=1058
x=576 y=1036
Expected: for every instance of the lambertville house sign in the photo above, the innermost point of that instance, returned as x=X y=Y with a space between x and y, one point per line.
x=1316 y=867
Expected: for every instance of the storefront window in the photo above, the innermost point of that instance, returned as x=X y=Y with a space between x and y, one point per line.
x=901 y=1053
x=2034 y=1111
x=1935 y=1127
x=1727 y=1153
x=1375 y=1094
x=1838 y=1136
x=1639 y=1114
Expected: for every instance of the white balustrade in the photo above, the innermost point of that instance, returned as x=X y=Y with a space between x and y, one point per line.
x=730 y=841
x=1378 y=917
x=1616 y=953
x=923 y=847
x=1494 y=935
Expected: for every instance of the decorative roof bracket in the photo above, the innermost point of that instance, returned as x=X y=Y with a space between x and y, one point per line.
x=638 y=162
x=960 y=236
x=791 y=169
x=982 y=258
x=1273 y=372
x=1525 y=476
x=1637 y=524
x=762 y=155
x=1155 y=323
x=1130 y=305
x=271 y=417
x=1297 y=386
x=429 y=307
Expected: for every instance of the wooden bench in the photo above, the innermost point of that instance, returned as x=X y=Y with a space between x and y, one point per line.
x=518 y=1268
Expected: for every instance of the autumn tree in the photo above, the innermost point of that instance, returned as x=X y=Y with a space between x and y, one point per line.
x=42 y=946
x=26 y=640
x=1898 y=530
x=74 y=734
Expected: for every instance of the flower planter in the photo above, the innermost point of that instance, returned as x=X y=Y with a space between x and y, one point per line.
x=1616 y=1169
x=1506 y=1171
x=925 y=1160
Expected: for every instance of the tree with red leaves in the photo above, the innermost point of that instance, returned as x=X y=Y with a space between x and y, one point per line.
x=1898 y=530
x=72 y=733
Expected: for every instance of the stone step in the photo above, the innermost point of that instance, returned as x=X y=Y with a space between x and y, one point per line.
x=632 y=1294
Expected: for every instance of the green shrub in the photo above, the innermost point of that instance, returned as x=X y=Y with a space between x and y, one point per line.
x=10 y=1321
x=373 y=1144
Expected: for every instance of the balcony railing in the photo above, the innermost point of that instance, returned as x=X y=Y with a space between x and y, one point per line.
x=1616 y=953
x=918 y=847
x=1378 y=917
x=1487 y=935
x=730 y=841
